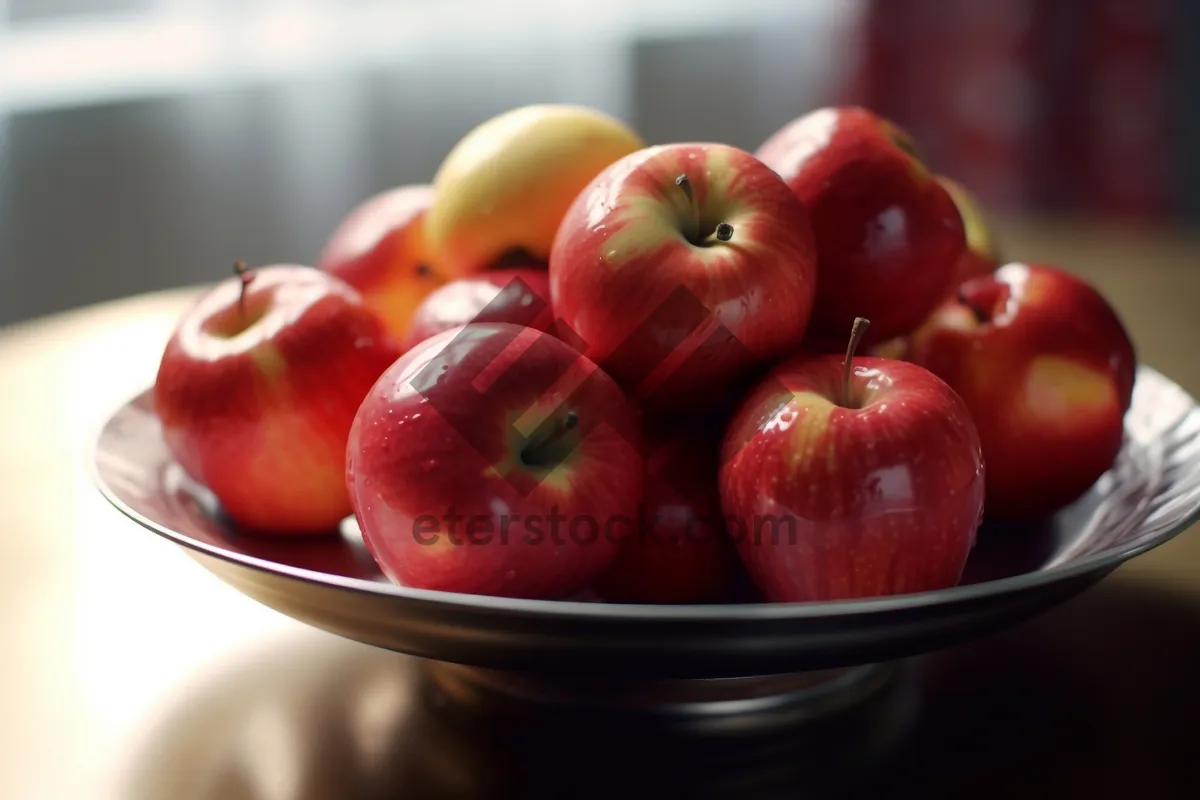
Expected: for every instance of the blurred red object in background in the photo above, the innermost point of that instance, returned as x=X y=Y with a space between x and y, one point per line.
x=1032 y=105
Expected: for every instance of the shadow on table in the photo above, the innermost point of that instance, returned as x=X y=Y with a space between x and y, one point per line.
x=1097 y=697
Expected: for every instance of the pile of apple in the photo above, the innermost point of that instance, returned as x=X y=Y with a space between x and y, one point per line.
x=577 y=366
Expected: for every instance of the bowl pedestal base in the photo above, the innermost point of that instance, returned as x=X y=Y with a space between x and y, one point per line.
x=828 y=732
x=720 y=709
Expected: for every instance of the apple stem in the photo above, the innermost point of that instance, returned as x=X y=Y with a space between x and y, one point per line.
x=975 y=310
x=537 y=454
x=724 y=232
x=239 y=269
x=856 y=334
x=693 y=232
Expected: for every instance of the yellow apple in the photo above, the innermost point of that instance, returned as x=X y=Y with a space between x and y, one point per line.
x=982 y=254
x=503 y=189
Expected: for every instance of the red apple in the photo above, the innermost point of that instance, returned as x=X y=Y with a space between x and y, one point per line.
x=519 y=296
x=888 y=234
x=495 y=459
x=379 y=249
x=1047 y=369
x=257 y=389
x=684 y=268
x=842 y=483
x=680 y=553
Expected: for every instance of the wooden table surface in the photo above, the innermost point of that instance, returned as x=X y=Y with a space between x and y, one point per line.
x=129 y=672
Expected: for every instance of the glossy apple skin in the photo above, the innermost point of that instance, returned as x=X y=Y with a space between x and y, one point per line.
x=889 y=236
x=442 y=433
x=379 y=249
x=261 y=418
x=681 y=553
x=518 y=296
x=884 y=498
x=1048 y=378
x=504 y=187
x=672 y=321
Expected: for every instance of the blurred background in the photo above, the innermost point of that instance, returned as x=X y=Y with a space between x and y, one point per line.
x=147 y=144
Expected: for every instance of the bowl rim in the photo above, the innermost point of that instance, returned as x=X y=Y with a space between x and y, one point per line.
x=643 y=612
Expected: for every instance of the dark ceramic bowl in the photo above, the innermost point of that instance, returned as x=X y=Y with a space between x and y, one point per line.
x=1017 y=571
